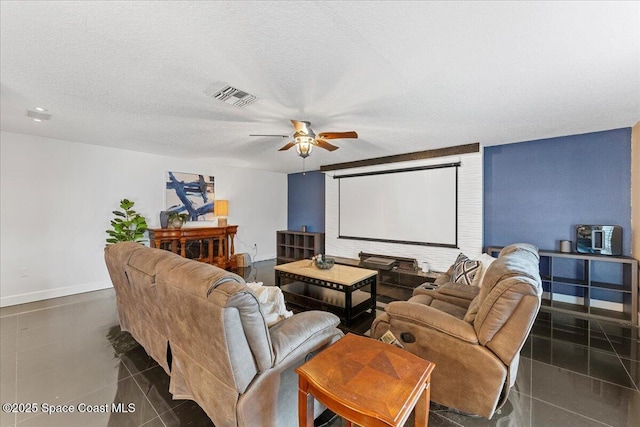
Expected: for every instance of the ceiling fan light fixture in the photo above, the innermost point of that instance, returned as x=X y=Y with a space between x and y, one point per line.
x=304 y=146
x=304 y=138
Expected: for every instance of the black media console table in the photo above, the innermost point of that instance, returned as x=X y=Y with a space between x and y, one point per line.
x=396 y=280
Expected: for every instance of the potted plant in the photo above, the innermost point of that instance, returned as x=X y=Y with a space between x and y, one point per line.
x=176 y=220
x=128 y=225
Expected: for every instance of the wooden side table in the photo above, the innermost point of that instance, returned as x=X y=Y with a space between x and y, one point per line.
x=367 y=382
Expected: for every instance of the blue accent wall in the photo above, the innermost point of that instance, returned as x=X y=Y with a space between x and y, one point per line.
x=538 y=191
x=306 y=201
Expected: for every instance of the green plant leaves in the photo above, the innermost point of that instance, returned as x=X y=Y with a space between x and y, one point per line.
x=128 y=225
x=126 y=204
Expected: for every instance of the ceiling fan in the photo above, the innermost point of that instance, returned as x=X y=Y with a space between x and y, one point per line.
x=304 y=138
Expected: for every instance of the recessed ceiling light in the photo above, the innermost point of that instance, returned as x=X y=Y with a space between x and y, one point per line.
x=38 y=114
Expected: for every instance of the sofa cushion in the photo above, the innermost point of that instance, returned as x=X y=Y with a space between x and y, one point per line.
x=485 y=261
x=472 y=312
x=296 y=334
x=443 y=306
x=464 y=270
x=448 y=308
x=458 y=290
x=514 y=275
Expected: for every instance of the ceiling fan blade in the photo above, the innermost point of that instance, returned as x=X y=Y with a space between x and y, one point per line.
x=338 y=135
x=299 y=126
x=324 y=144
x=287 y=146
x=280 y=136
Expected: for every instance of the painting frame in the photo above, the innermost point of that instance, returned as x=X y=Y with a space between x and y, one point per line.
x=190 y=193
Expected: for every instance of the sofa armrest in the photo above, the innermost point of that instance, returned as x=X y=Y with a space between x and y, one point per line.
x=424 y=316
x=453 y=293
x=459 y=290
x=302 y=333
x=443 y=278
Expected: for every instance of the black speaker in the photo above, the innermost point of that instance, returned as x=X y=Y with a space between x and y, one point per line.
x=599 y=239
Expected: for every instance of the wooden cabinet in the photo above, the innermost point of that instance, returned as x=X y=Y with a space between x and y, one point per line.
x=213 y=245
x=598 y=286
x=296 y=245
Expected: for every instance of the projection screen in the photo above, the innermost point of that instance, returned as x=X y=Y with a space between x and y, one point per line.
x=413 y=205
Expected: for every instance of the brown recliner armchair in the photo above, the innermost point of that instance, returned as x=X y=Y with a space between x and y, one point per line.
x=474 y=335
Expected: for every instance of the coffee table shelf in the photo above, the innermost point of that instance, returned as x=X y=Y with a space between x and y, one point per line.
x=343 y=290
x=314 y=297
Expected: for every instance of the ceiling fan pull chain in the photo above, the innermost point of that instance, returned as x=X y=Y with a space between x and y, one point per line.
x=303 y=172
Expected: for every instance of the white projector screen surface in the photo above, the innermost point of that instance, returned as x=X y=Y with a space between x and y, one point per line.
x=408 y=206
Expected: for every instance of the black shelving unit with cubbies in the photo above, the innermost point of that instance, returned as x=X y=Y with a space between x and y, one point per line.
x=594 y=286
x=297 y=245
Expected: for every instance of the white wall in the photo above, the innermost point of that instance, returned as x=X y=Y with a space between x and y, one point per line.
x=56 y=203
x=470 y=212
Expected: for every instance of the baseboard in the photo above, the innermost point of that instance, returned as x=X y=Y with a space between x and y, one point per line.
x=53 y=293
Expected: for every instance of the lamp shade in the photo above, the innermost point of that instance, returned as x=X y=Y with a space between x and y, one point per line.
x=221 y=208
x=304 y=146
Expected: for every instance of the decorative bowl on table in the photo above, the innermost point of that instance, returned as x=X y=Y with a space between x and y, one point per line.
x=323 y=263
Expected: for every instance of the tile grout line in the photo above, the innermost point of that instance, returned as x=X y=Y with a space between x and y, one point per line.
x=587 y=376
x=445 y=418
x=19 y=316
x=581 y=345
x=146 y=397
x=17 y=352
x=141 y=391
x=572 y=412
x=620 y=359
x=174 y=408
x=67 y=402
x=35 y=310
x=597 y=350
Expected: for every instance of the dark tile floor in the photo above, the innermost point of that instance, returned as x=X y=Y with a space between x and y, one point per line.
x=70 y=350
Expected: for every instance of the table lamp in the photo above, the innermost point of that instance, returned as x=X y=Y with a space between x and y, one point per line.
x=221 y=210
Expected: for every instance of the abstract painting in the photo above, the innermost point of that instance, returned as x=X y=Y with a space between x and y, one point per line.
x=191 y=194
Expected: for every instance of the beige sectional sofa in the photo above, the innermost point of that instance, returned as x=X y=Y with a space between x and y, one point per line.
x=224 y=356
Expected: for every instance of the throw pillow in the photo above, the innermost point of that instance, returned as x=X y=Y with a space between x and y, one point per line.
x=464 y=270
x=486 y=260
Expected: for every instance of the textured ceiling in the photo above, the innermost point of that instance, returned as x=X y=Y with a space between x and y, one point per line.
x=406 y=76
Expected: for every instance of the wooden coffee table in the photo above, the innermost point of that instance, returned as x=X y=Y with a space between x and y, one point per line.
x=336 y=290
x=367 y=382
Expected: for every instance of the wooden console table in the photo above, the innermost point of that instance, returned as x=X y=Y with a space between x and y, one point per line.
x=215 y=244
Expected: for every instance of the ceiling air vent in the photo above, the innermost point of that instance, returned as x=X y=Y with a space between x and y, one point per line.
x=230 y=94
